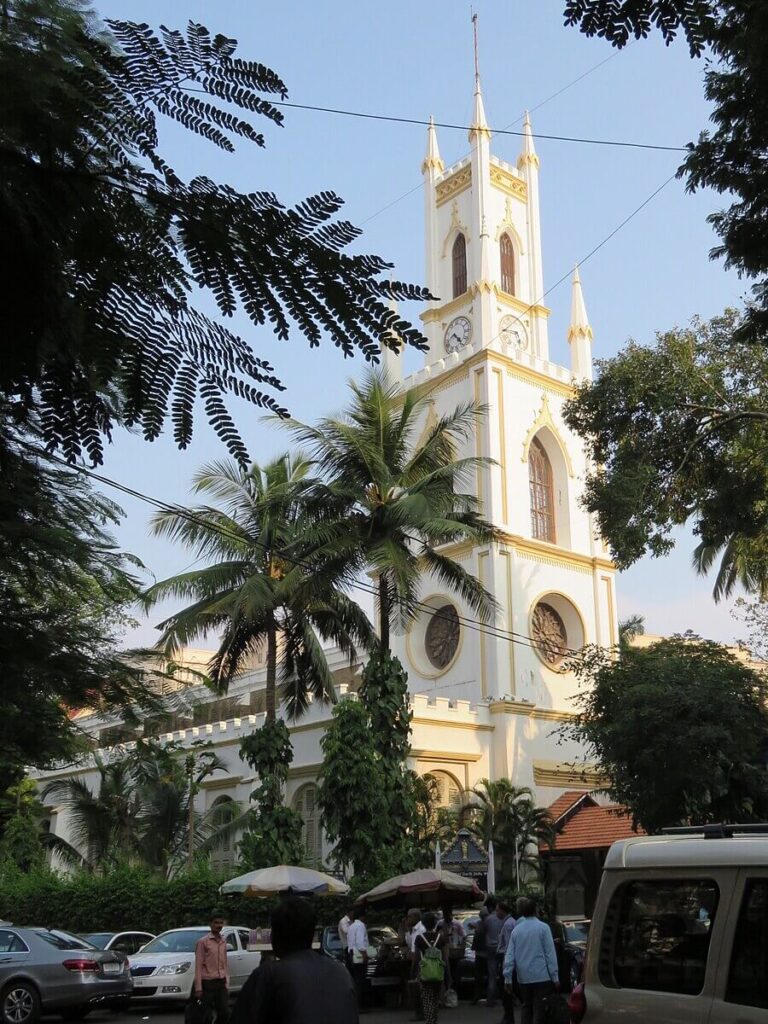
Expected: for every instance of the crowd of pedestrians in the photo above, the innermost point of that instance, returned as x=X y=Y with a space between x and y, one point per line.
x=515 y=963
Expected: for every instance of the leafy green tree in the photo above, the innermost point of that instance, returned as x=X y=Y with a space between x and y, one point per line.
x=142 y=812
x=21 y=838
x=273 y=831
x=677 y=433
x=507 y=815
x=680 y=730
x=395 y=482
x=733 y=35
x=260 y=597
x=65 y=595
x=104 y=244
x=351 y=797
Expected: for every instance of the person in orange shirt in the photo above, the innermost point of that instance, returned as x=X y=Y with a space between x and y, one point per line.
x=212 y=971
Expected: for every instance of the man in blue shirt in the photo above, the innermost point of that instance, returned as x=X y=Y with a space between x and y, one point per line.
x=531 y=953
x=508 y=923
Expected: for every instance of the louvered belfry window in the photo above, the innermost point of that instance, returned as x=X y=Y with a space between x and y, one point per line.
x=542 y=504
x=306 y=804
x=459 y=266
x=507 y=255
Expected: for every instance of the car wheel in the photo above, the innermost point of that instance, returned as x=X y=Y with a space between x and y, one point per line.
x=76 y=1012
x=20 y=1003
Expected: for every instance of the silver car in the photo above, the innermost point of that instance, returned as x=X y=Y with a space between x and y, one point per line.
x=44 y=970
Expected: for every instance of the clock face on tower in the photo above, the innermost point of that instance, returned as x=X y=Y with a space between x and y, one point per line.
x=512 y=332
x=457 y=334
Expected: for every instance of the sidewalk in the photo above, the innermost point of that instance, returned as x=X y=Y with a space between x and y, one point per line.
x=463 y=1014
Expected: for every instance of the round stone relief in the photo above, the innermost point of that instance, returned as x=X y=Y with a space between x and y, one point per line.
x=549 y=633
x=441 y=639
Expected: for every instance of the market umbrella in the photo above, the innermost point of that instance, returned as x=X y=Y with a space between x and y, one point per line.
x=427 y=887
x=284 y=878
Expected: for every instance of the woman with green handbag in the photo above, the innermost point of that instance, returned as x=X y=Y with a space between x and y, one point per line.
x=430 y=949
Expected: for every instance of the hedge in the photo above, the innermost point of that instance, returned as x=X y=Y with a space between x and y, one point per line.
x=132 y=899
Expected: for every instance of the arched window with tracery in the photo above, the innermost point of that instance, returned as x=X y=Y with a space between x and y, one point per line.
x=507 y=256
x=305 y=802
x=223 y=853
x=446 y=790
x=542 y=493
x=459 y=265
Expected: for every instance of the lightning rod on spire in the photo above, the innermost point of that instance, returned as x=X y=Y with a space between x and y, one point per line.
x=474 y=34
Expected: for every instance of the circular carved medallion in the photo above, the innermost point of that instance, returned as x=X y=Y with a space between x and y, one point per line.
x=549 y=633
x=441 y=639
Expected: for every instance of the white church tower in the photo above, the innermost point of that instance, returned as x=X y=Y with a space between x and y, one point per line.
x=488 y=342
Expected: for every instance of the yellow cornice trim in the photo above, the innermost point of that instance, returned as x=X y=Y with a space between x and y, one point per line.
x=230 y=780
x=305 y=770
x=535 y=549
x=559 y=773
x=442 y=724
x=508 y=183
x=444 y=757
x=526 y=710
x=448 y=308
x=520 y=306
x=453 y=185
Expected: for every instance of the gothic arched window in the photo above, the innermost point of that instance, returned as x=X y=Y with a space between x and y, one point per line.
x=459 y=265
x=542 y=491
x=507 y=254
x=446 y=791
x=305 y=802
x=223 y=853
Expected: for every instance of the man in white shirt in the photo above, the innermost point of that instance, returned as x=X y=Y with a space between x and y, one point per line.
x=344 y=924
x=413 y=928
x=357 y=955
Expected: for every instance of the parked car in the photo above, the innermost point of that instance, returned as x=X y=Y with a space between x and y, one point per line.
x=680 y=931
x=123 y=942
x=44 y=970
x=570 y=935
x=165 y=968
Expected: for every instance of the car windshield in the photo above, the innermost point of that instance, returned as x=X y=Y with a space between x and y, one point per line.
x=577 y=931
x=332 y=940
x=99 y=939
x=63 y=940
x=175 y=942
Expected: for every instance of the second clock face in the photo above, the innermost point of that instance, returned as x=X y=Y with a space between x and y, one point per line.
x=512 y=332
x=457 y=334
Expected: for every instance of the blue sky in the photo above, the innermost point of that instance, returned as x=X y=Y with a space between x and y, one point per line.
x=412 y=60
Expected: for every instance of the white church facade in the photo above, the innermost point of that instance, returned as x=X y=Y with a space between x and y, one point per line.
x=487 y=700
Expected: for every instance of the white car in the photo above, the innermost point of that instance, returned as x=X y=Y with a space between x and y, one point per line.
x=165 y=968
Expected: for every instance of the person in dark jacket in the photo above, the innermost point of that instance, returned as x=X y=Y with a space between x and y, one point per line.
x=300 y=986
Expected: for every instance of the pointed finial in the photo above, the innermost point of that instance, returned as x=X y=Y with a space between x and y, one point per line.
x=528 y=155
x=432 y=159
x=479 y=124
x=579 y=326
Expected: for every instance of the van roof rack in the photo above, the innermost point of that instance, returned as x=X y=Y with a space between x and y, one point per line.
x=717 y=831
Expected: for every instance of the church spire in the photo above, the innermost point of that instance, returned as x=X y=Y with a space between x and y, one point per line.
x=432 y=160
x=580 y=332
x=528 y=155
x=479 y=126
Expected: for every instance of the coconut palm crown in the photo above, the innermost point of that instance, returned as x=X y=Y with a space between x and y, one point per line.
x=253 y=593
x=395 y=489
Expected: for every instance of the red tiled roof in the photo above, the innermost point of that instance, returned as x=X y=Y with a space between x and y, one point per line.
x=566 y=801
x=594 y=827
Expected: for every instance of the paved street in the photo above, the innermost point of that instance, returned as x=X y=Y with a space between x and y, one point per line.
x=465 y=1014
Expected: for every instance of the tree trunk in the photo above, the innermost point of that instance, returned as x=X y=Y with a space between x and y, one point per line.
x=271 y=695
x=191 y=816
x=384 y=613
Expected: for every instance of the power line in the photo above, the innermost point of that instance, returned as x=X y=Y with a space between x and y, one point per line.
x=495 y=632
x=465 y=128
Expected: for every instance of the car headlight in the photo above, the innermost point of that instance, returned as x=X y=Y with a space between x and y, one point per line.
x=180 y=968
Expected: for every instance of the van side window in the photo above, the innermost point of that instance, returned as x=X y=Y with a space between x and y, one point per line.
x=748 y=976
x=657 y=935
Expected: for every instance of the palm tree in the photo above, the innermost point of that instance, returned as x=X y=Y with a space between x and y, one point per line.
x=397 y=496
x=742 y=561
x=104 y=825
x=508 y=816
x=254 y=592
